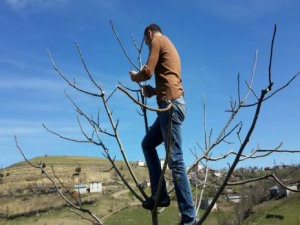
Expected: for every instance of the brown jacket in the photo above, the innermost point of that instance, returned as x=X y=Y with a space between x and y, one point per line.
x=164 y=61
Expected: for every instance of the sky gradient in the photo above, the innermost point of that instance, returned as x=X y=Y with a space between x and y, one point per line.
x=216 y=41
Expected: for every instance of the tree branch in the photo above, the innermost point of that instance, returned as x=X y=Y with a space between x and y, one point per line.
x=41 y=167
x=73 y=85
x=242 y=147
x=142 y=105
x=272 y=176
x=122 y=46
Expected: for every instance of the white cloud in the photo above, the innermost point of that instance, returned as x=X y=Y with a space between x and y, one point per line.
x=30 y=83
x=10 y=127
x=235 y=9
x=15 y=63
x=40 y=4
x=11 y=81
x=37 y=5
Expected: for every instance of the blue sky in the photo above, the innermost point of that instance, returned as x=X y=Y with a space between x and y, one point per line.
x=215 y=39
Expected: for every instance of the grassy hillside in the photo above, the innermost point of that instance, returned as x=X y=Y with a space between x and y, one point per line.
x=65 y=166
x=24 y=190
x=284 y=211
x=288 y=208
x=19 y=182
x=170 y=216
x=63 y=160
x=103 y=206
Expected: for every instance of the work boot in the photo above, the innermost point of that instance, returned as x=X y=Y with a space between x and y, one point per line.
x=149 y=202
x=188 y=223
x=192 y=222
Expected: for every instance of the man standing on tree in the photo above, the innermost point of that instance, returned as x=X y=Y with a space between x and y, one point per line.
x=164 y=62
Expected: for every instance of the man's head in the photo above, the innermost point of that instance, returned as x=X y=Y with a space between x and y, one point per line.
x=150 y=31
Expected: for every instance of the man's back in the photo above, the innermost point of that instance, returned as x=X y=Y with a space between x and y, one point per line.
x=164 y=61
x=167 y=70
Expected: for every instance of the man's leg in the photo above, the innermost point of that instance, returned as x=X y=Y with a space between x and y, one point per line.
x=183 y=191
x=176 y=162
x=152 y=139
x=180 y=179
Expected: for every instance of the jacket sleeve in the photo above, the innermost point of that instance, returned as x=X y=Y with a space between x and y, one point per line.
x=148 y=69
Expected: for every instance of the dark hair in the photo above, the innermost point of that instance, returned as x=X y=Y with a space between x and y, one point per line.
x=153 y=27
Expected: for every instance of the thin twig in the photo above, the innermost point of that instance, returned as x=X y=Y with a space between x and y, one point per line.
x=280 y=151
x=142 y=105
x=275 y=92
x=93 y=123
x=122 y=46
x=271 y=58
x=272 y=176
x=86 y=68
x=203 y=188
x=41 y=167
x=68 y=191
x=123 y=178
x=73 y=85
x=111 y=94
x=242 y=147
x=64 y=137
x=252 y=78
x=204 y=122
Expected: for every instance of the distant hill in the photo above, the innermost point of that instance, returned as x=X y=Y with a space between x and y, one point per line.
x=21 y=182
x=284 y=211
x=63 y=160
x=92 y=168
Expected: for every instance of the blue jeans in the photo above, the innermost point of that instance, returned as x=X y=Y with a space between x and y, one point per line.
x=154 y=137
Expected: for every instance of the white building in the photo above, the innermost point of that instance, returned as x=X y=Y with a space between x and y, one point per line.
x=294 y=187
x=141 y=163
x=218 y=174
x=200 y=167
x=234 y=198
x=206 y=202
x=81 y=188
x=162 y=162
x=95 y=186
x=148 y=184
x=196 y=168
x=229 y=191
x=92 y=187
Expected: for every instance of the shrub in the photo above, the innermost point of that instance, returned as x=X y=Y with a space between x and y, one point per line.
x=78 y=169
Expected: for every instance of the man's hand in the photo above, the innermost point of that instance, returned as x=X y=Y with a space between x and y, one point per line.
x=148 y=91
x=133 y=75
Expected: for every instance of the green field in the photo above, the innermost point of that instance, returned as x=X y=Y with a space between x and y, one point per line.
x=286 y=208
x=131 y=216
x=289 y=208
x=65 y=160
x=116 y=206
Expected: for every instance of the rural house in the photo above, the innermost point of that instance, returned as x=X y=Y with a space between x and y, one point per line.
x=141 y=163
x=206 y=202
x=234 y=198
x=278 y=192
x=95 y=186
x=81 y=188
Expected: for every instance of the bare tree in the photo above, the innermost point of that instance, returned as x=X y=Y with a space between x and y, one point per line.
x=235 y=106
x=227 y=131
x=98 y=130
x=76 y=208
